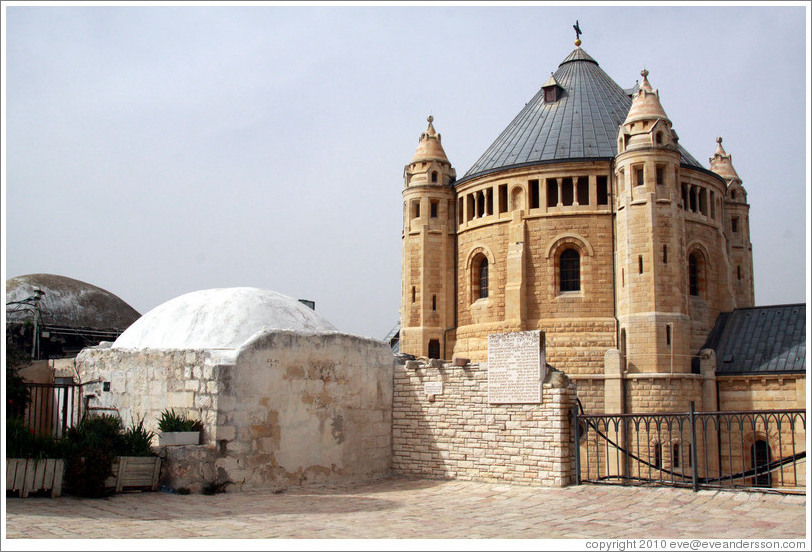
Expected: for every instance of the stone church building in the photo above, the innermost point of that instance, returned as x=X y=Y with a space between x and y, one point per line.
x=587 y=220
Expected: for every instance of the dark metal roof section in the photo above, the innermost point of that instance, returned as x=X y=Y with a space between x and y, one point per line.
x=760 y=340
x=581 y=124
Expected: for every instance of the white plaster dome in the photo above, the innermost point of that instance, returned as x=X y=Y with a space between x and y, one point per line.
x=223 y=318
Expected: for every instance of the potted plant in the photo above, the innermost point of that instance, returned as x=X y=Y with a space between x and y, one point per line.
x=178 y=430
x=137 y=466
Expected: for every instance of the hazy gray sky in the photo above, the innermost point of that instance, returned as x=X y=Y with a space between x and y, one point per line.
x=154 y=151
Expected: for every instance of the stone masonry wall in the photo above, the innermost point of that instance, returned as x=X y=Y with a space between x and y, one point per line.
x=458 y=435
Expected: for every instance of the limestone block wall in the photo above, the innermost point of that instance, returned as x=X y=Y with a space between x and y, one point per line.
x=299 y=408
x=457 y=434
x=143 y=383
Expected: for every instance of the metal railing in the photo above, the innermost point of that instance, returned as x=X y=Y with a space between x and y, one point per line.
x=742 y=449
x=54 y=407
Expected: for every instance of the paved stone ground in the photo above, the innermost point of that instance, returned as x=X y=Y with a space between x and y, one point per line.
x=402 y=508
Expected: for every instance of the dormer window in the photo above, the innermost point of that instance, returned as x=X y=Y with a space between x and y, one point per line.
x=551 y=90
x=550 y=94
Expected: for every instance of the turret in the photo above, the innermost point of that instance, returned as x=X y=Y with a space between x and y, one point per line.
x=428 y=250
x=650 y=277
x=736 y=228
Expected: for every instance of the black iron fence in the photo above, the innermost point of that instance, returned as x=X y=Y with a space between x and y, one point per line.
x=54 y=407
x=744 y=449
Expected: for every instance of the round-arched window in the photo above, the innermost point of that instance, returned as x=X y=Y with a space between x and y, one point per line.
x=570 y=270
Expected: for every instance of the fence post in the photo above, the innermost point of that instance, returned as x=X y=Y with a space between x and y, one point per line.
x=692 y=418
x=576 y=445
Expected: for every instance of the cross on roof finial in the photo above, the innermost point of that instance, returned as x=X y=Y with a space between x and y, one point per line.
x=578 y=32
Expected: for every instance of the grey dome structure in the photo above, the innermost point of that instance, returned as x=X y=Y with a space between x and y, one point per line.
x=582 y=124
x=56 y=316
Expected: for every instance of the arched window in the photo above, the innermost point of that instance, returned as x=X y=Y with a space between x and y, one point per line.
x=570 y=270
x=483 y=278
x=693 y=274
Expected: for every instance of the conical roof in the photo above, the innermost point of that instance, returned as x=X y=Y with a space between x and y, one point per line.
x=429 y=148
x=722 y=164
x=581 y=124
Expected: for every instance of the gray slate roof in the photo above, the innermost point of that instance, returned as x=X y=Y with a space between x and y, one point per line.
x=760 y=340
x=582 y=124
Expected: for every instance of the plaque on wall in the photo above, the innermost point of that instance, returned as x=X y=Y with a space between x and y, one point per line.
x=517 y=367
x=433 y=387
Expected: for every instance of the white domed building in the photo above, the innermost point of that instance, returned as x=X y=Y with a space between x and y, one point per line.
x=284 y=397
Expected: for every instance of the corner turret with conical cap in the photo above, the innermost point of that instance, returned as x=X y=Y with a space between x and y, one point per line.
x=737 y=227
x=429 y=230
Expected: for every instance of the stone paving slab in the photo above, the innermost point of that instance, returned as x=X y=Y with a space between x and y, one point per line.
x=415 y=509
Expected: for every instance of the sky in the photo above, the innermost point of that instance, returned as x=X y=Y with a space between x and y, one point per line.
x=156 y=150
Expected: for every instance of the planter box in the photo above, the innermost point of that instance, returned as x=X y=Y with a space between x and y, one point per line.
x=134 y=472
x=173 y=438
x=27 y=475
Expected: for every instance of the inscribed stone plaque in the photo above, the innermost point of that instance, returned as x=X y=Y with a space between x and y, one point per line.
x=516 y=367
x=433 y=387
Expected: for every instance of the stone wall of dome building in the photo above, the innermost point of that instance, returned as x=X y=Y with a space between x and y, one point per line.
x=286 y=409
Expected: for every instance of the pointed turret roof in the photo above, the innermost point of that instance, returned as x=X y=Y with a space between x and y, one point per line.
x=722 y=164
x=646 y=104
x=582 y=123
x=429 y=148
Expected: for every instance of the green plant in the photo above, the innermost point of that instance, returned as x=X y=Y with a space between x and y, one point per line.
x=170 y=421
x=93 y=445
x=137 y=440
x=23 y=442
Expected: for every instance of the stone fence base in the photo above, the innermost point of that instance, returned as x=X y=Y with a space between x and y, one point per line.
x=443 y=427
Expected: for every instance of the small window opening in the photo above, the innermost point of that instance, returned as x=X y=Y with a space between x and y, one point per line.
x=552 y=192
x=566 y=191
x=434 y=205
x=417 y=209
x=693 y=274
x=460 y=211
x=434 y=302
x=665 y=254
x=639 y=177
x=489 y=201
x=602 y=191
x=480 y=207
x=414 y=294
x=483 y=279
x=732 y=194
x=533 y=185
x=659 y=138
x=739 y=272
x=470 y=201
x=434 y=176
x=503 y=199
x=583 y=190
x=640 y=264
x=668 y=334
x=734 y=224
x=660 y=176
